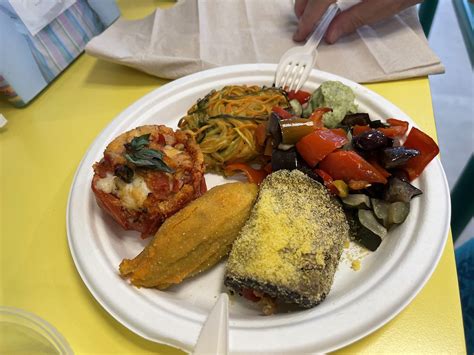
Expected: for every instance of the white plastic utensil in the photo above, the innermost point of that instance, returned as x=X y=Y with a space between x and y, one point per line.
x=3 y=121
x=297 y=62
x=214 y=335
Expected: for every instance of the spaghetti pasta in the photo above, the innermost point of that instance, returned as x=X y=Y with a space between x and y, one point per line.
x=224 y=123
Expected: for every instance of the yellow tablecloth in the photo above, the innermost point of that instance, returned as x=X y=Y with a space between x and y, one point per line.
x=39 y=152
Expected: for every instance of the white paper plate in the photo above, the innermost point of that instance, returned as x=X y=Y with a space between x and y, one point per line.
x=359 y=302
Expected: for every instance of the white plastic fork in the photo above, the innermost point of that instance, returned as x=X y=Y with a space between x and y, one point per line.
x=297 y=62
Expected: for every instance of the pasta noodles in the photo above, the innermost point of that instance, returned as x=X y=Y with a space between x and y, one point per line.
x=224 y=123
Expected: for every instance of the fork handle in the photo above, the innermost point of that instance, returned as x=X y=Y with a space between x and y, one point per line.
x=319 y=31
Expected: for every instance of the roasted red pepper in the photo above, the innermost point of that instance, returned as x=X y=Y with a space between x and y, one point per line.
x=396 y=130
x=348 y=165
x=281 y=112
x=253 y=175
x=339 y=131
x=403 y=125
x=315 y=146
x=268 y=168
x=428 y=150
x=317 y=116
x=328 y=181
x=261 y=133
x=301 y=96
x=358 y=129
x=380 y=169
x=250 y=295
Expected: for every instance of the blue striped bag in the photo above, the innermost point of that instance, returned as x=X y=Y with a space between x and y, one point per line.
x=28 y=63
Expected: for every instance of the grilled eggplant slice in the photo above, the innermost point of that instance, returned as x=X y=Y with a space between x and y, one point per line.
x=290 y=247
x=361 y=234
x=399 y=190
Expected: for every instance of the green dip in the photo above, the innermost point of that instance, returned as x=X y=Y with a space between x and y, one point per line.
x=337 y=96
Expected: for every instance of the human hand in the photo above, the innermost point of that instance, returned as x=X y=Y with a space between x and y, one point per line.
x=363 y=13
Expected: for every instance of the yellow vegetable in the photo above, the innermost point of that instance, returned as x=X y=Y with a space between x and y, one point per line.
x=193 y=239
x=342 y=188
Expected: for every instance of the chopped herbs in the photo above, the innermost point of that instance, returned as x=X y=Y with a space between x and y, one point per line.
x=138 y=153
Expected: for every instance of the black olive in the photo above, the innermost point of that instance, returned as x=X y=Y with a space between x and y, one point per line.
x=371 y=140
x=124 y=172
x=397 y=156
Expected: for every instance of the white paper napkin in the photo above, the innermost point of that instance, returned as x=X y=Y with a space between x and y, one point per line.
x=201 y=34
x=37 y=14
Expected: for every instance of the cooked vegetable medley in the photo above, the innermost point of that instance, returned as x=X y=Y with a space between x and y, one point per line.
x=362 y=161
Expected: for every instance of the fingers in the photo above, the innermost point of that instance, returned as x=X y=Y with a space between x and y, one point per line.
x=364 y=13
x=299 y=7
x=312 y=12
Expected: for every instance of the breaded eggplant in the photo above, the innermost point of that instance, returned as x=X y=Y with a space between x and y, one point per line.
x=193 y=239
x=290 y=247
x=146 y=175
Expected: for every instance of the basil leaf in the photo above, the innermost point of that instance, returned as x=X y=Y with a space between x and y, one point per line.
x=160 y=165
x=140 y=156
x=147 y=153
x=143 y=163
x=138 y=143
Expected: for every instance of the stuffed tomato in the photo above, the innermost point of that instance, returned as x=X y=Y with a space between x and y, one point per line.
x=146 y=175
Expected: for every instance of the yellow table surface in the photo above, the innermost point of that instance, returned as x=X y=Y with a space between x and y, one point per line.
x=40 y=150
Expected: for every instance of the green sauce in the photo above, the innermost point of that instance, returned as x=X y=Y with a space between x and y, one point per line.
x=337 y=96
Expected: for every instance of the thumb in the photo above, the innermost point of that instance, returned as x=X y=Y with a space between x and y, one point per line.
x=312 y=13
x=364 y=13
x=345 y=23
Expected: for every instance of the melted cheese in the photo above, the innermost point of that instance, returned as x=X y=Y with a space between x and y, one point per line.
x=107 y=184
x=132 y=195
x=171 y=151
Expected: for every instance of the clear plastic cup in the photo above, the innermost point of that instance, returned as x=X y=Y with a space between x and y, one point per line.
x=23 y=332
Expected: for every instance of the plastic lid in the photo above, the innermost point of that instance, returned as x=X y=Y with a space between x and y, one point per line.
x=23 y=332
